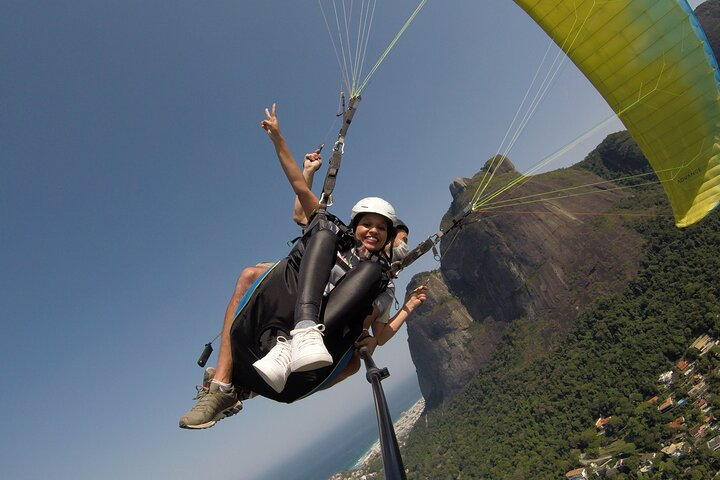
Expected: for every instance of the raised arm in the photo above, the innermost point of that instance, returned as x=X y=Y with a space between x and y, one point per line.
x=311 y=164
x=307 y=199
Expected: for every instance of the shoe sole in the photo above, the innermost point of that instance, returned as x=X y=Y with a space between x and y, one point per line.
x=228 y=412
x=311 y=362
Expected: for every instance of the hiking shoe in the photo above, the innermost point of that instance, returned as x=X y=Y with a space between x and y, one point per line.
x=241 y=392
x=308 y=349
x=274 y=367
x=208 y=376
x=212 y=406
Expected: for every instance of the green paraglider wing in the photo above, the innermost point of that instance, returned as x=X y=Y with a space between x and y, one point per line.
x=652 y=63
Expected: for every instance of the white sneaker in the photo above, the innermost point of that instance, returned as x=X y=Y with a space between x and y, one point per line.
x=274 y=367
x=308 y=349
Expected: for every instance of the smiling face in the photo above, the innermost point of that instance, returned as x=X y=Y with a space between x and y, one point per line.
x=372 y=231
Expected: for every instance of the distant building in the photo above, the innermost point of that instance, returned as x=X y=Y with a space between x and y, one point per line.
x=577 y=474
x=666 y=405
x=666 y=377
x=714 y=443
x=684 y=367
x=647 y=468
x=700 y=342
x=698 y=432
x=678 y=423
x=703 y=343
x=647 y=458
x=698 y=389
x=601 y=422
x=676 y=450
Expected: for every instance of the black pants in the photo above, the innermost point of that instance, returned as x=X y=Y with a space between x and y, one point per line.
x=298 y=282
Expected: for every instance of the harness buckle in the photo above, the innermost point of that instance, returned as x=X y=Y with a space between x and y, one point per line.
x=326 y=200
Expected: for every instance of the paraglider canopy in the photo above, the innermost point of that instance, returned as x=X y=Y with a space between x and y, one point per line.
x=652 y=63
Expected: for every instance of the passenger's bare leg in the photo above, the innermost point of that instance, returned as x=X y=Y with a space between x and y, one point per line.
x=219 y=399
x=223 y=371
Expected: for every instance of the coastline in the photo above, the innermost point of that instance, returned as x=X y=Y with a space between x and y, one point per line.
x=402 y=426
x=341 y=450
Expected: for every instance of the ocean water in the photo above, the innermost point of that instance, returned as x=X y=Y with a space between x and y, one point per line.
x=342 y=449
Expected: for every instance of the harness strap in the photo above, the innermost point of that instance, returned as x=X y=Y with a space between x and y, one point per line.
x=337 y=153
x=430 y=243
x=322 y=219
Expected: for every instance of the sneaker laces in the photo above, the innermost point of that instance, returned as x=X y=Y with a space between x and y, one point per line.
x=306 y=335
x=281 y=355
x=204 y=396
x=202 y=390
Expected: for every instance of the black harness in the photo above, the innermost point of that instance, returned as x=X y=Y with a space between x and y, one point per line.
x=323 y=220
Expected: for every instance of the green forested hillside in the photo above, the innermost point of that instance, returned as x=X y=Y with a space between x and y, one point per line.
x=519 y=421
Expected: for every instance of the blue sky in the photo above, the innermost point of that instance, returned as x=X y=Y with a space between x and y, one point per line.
x=136 y=183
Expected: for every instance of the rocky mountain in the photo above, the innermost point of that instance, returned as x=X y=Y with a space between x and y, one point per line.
x=535 y=266
x=546 y=315
x=541 y=263
x=709 y=16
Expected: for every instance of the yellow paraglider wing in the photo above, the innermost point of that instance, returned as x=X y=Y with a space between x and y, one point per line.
x=651 y=62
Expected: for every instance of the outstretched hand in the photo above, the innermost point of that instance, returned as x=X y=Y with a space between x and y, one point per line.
x=417 y=297
x=270 y=123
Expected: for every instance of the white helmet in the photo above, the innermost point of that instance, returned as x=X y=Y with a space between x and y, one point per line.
x=373 y=205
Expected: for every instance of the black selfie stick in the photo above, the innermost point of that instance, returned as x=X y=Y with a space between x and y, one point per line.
x=392 y=461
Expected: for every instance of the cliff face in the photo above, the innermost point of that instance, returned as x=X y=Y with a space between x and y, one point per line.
x=536 y=266
x=709 y=16
x=446 y=344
